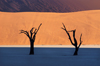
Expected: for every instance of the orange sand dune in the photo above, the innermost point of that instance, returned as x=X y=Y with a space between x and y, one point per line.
x=50 y=33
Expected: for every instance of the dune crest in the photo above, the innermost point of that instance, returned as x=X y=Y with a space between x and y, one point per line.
x=50 y=33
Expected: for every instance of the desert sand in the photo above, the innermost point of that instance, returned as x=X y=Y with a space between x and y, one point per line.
x=50 y=33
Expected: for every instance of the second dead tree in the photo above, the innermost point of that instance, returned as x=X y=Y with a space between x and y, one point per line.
x=75 y=41
x=31 y=37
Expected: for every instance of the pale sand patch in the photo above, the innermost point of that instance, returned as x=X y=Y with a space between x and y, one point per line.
x=53 y=46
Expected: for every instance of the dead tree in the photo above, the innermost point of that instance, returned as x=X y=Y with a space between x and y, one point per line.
x=31 y=37
x=75 y=41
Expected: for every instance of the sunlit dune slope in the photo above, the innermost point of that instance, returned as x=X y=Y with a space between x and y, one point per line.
x=50 y=33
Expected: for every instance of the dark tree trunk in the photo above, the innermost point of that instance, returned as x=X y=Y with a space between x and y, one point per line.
x=31 y=47
x=76 y=51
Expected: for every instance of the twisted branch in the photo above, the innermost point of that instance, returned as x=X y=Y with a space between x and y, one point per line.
x=35 y=31
x=80 y=41
x=64 y=28
x=38 y=28
x=31 y=32
x=25 y=32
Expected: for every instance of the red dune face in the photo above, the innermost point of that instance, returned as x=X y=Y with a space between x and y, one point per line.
x=50 y=33
x=48 y=5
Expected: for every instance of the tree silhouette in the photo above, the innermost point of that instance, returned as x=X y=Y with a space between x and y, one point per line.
x=75 y=41
x=31 y=37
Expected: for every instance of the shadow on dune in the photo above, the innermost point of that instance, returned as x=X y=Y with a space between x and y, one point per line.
x=48 y=5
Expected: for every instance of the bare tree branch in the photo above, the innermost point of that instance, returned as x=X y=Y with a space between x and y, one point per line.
x=64 y=28
x=64 y=25
x=35 y=31
x=75 y=41
x=71 y=30
x=80 y=41
x=25 y=32
x=31 y=32
x=39 y=27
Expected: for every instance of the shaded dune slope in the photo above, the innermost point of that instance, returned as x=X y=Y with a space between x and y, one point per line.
x=48 y=5
x=50 y=33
